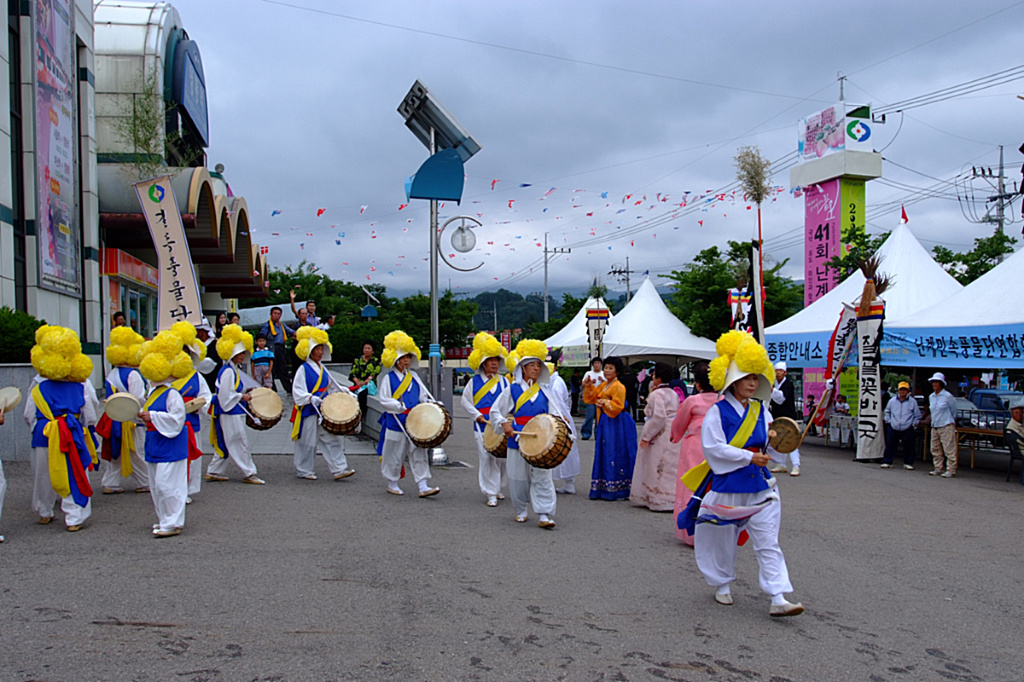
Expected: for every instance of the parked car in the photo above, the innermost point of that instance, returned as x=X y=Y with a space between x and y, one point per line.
x=968 y=415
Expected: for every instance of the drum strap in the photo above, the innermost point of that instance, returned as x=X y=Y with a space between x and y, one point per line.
x=486 y=388
x=527 y=396
x=65 y=462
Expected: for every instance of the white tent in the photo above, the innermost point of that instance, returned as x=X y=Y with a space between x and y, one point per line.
x=802 y=340
x=647 y=330
x=574 y=334
x=981 y=325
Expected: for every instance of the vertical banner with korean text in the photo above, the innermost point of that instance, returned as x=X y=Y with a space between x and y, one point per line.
x=58 y=228
x=178 y=297
x=851 y=197
x=821 y=243
x=597 y=320
x=870 y=427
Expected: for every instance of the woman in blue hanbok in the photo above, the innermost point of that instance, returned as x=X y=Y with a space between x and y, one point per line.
x=615 y=437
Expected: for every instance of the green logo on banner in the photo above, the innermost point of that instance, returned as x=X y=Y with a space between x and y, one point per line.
x=156 y=193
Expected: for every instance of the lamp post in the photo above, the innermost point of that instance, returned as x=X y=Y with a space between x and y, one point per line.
x=439 y=178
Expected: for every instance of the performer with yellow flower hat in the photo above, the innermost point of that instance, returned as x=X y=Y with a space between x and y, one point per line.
x=166 y=436
x=399 y=390
x=123 y=442
x=192 y=386
x=312 y=383
x=61 y=408
x=739 y=496
x=523 y=399
x=227 y=416
x=477 y=399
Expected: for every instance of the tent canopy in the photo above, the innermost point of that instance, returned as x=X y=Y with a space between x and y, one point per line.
x=647 y=330
x=978 y=326
x=919 y=282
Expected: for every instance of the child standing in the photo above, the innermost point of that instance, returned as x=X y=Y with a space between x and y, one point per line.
x=263 y=363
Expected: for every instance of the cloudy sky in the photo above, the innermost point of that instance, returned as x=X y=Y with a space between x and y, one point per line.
x=577 y=105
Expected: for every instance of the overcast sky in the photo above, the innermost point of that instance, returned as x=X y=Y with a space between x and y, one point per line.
x=648 y=99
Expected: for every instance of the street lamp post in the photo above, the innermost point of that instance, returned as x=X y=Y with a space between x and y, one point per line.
x=440 y=178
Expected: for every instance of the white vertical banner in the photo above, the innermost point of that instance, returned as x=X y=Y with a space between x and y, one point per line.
x=870 y=427
x=597 y=320
x=178 y=289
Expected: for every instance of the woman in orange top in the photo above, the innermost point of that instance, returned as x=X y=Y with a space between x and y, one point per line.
x=615 y=446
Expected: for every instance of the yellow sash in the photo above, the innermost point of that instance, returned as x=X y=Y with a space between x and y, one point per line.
x=486 y=388
x=58 y=466
x=217 y=450
x=297 y=413
x=157 y=392
x=692 y=478
x=526 y=396
x=127 y=445
x=179 y=384
x=273 y=329
x=403 y=387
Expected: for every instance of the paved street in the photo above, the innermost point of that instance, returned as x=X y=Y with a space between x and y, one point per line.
x=904 y=576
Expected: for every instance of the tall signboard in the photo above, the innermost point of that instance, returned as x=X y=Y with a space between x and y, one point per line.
x=178 y=290
x=597 y=320
x=58 y=229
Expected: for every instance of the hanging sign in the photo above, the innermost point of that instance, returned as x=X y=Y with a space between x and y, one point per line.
x=178 y=292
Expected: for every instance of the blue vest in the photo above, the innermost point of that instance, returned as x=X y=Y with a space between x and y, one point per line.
x=410 y=399
x=487 y=401
x=122 y=373
x=190 y=389
x=529 y=409
x=217 y=409
x=64 y=398
x=312 y=373
x=160 y=448
x=751 y=478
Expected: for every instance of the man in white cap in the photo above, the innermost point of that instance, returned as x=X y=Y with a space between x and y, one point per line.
x=784 y=405
x=942 y=408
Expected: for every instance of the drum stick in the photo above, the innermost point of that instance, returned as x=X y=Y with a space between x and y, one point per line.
x=407 y=436
x=259 y=422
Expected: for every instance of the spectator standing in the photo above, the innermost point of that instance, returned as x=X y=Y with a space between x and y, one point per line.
x=902 y=416
x=222 y=320
x=364 y=371
x=575 y=388
x=263 y=363
x=310 y=309
x=657 y=460
x=234 y=318
x=118 y=319
x=811 y=408
x=783 y=404
x=276 y=334
x=942 y=415
x=596 y=377
x=686 y=430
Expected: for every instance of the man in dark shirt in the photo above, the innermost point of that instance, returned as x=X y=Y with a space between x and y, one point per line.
x=783 y=404
x=277 y=334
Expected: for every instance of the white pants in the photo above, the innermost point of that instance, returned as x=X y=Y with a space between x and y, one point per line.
x=715 y=546
x=44 y=496
x=237 y=442
x=169 y=488
x=794 y=458
x=333 y=447
x=397 y=448
x=528 y=484
x=112 y=477
x=492 y=469
x=3 y=489
x=195 y=476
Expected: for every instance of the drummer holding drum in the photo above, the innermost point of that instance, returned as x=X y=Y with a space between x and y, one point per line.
x=477 y=399
x=310 y=387
x=524 y=399
x=227 y=412
x=399 y=390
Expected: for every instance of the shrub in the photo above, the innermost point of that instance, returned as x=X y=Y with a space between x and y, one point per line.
x=18 y=331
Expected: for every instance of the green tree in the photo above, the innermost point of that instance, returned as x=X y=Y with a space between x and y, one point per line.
x=702 y=288
x=969 y=266
x=860 y=246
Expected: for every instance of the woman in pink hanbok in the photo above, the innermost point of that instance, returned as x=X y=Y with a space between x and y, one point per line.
x=686 y=428
x=655 y=472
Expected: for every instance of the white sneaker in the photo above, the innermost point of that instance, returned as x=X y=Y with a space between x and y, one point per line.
x=785 y=609
x=948 y=474
x=908 y=467
x=795 y=471
x=777 y=468
x=492 y=501
x=724 y=598
x=885 y=465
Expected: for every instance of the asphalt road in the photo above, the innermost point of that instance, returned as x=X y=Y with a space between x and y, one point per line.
x=904 y=576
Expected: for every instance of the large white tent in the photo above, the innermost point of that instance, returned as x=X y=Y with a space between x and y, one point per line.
x=918 y=282
x=981 y=325
x=647 y=330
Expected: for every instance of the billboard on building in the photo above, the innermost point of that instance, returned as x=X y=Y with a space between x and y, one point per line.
x=58 y=228
x=840 y=127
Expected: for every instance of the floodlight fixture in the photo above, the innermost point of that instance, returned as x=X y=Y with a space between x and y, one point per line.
x=433 y=125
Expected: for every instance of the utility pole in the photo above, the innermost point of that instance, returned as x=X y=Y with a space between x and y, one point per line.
x=556 y=250
x=622 y=274
x=495 y=303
